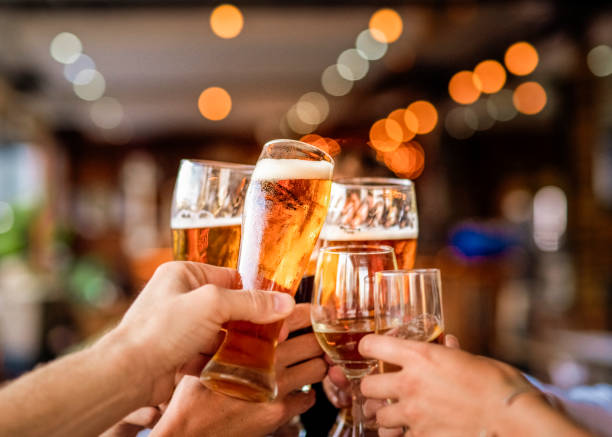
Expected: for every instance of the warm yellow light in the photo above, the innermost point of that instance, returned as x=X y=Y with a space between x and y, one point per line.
x=521 y=58
x=215 y=103
x=426 y=115
x=464 y=87
x=386 y=25
x=407 y=161
x=529 y=98
x=384 y=135
x=328 y=145
x=492 y=76
x=407 y=131
x=226 y=21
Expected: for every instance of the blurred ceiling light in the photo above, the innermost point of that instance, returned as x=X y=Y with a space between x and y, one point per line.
x=329 y=145
x=65 y=47
x=426 y=115
x=351 y=65
x=106 y=113
x=408 y=130
x=386 y=25
x=549 y=218
x=296 y=124
x=521 y=58
x=312 y=108
x=214 y=103
x=529 y=98
x=407 y=161
x=369 y=47
x=456 y=125
x=470 y=118
x=333 y=83
x=82 y=63
x=500 y=106
x=492 y=76
x=92 y=90
x=226 y=21
x=599 y=60
x=7 y=217
x=483 y=120
x=384 y=134
x=464 y=87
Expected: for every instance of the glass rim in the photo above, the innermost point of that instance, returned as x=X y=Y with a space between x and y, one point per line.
x=302 y=144
x=404 y=272
x=373 y=182
x=221 y=164
x=359 y=249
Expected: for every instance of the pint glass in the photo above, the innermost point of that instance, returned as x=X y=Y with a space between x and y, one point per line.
x=284 y=211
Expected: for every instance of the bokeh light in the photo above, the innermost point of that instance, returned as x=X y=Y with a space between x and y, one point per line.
x=492 y=76
x=426 y=115
x=92 y=90
x=483 y=119
x=407 y=161
x=226 y=21
x=7 y=217
x=500 y=106
x=386 y=25
x=599 y=60
x=82 y=63
x=457 y=122
x=65 y=47
x=521 y=58
x=329 y=145
x=312 y=108
x=351 y=65
x=215 y=103
x=371 y=48
x=529 y=98
x=296 y=124
x=106 y=113
x=408 y=129
x=384 y=135
x=464 y=87
x=333 y=83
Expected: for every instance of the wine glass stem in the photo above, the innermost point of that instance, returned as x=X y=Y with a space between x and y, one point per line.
x=358 y=427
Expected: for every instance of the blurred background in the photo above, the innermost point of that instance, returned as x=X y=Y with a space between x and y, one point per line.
x=500 y=111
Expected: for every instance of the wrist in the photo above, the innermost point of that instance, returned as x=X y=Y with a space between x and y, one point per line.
x=519 y=404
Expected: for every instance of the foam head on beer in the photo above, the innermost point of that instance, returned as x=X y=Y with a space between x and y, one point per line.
x=281 y=169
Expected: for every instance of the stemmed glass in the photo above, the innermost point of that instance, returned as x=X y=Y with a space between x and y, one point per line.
x=342 y=310
x=408 y=304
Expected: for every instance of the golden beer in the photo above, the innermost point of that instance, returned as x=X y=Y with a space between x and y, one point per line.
x=285 y=208
x=217 y=244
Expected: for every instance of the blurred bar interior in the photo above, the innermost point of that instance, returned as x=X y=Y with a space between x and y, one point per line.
x=500 y=111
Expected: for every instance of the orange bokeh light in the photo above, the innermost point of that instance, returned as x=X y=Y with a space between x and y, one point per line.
x=407 y=161
x=215 y=103
x=328 y=145
x=521 y=58
x=226 y=21
x=384 y=135
x=426 y=116
x=386 y=25
x=464 y=87
x=408 y=130
x=492 y=76
x=529 y=98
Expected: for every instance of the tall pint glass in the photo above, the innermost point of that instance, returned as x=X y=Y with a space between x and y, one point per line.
x=284 y=211
x=207 y=211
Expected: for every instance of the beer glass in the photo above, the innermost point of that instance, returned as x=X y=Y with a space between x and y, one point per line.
x=408 y=304
x=379 y=211
x=342 y=310
x=207 y=211
x=284 y=210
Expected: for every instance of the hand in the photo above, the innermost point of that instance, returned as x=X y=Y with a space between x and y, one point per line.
x=133 y=423
x=194 y=410
x=444 y=391
x=178 y=315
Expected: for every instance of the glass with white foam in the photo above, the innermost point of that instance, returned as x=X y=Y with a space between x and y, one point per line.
x=284 y=211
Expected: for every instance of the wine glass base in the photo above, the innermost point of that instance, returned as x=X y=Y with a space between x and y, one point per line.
x=239 y=382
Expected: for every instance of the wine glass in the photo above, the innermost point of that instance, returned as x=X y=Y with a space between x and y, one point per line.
x=408 y=304
x=342 y=310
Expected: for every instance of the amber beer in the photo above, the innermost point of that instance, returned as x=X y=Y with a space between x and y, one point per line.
x=215 y=241
x=285 y=207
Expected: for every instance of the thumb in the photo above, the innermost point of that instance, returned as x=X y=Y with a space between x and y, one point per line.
x=250 y=305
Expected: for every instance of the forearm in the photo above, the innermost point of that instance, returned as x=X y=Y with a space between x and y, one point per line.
x=79 y=395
